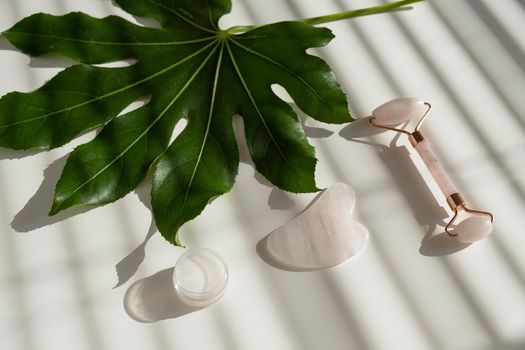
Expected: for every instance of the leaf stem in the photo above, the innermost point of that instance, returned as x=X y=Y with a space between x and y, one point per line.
x=394 y=6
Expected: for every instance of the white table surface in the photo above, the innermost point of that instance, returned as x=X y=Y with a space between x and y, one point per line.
x=84 y=279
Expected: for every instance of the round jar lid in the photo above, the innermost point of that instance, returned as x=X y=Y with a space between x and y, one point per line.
x=200 y=276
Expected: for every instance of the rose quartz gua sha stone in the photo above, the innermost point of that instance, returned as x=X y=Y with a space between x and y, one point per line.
x=323 y=235
x=397 y=111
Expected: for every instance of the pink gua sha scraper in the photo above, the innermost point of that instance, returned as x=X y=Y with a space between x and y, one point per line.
x=322 y=236
x=474 y=227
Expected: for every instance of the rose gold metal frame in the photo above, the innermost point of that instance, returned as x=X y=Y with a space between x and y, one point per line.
x=418 y=125
x=468 y=210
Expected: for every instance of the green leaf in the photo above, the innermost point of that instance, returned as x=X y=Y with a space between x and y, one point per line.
x=188 y=69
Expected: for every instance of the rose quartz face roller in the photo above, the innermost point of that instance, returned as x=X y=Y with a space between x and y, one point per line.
x=472 y=228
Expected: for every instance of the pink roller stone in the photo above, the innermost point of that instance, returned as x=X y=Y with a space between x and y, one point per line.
x=435 y=168
x=473 y=229
x=399 y=110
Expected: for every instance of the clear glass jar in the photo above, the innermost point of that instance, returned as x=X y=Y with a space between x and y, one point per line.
x=200 y=277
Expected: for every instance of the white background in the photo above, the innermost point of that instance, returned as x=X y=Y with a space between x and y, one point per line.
x=407 y=290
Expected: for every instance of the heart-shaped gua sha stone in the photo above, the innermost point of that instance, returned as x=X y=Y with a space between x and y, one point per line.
x=323 y=235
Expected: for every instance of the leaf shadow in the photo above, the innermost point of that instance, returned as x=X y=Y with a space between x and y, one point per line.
x=50 y=61
x=154 y=298
x=34 y=214
x=5 y=45
x=144 y=21
x=129 y=265
x=310 y=131
x=114 y=3
x=278 y=198
x=9 y=154
x=147 y=22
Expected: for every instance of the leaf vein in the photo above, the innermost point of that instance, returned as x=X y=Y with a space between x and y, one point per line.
x=176 y=13
x=121 y=154
x=208 y=124
x=111 y=43
x=256 y=107
x=280 y=65
x=210 y=17
x=114 y=92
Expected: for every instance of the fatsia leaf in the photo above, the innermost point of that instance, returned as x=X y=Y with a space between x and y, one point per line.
x=188 y=69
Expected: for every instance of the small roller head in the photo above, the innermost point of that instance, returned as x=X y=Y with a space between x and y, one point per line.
x=473 y=229
x=400 y=110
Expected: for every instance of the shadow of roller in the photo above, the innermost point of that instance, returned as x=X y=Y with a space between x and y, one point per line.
x=423 y=204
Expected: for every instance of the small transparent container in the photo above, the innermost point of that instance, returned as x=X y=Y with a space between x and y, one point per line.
x=200 y=277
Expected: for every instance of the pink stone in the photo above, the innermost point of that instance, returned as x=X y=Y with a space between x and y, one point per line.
x=434 y=166
x=398 y=111
x=323 y=235
x=473 y=229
